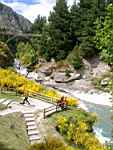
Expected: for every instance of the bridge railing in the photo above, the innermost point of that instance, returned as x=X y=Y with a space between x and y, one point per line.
x=33 y=94
x=50 y=110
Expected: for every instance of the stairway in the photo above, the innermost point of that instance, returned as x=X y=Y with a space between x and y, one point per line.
x=32 y=128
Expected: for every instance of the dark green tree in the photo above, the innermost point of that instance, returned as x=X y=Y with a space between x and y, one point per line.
x=38 y=24
x=83 y=16
x=6 y=57
x=75 y=22
x=60 y=42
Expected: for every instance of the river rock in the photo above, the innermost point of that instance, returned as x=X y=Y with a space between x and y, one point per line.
x=74 y=77
x=59 y=77
x=105 y=82
x=47 y=68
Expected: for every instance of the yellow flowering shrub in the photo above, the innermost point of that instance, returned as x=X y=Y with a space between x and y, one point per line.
x=72 y=101
x=52 y=94
x=76 y=131
x=11 y=79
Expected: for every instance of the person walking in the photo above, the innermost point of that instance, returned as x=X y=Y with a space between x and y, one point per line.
x=25 y=100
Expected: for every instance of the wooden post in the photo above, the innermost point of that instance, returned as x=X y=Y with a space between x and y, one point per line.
x=16 y=93
x=44 y=113
x=56 y=108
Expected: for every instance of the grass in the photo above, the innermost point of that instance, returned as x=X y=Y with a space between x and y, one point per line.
x=13 y=135
x=10 y=95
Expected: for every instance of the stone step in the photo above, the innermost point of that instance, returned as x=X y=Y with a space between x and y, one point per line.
x=33 y=132
x=28 y=115
x=30 y=119
x=30 y=123
x=32 y=127
x=28 y=112
x=34 y=137
x=36 y=141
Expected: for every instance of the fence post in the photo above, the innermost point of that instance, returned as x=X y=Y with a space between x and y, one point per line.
x=16 y=92
x=44 y=113
x=56 y=108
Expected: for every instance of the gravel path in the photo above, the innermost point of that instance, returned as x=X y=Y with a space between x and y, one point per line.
x=36 y=105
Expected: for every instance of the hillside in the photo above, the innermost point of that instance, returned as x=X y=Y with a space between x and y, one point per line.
x=11 y=21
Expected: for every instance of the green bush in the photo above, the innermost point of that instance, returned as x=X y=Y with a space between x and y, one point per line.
x=67 y=73
x=76 y=62
x=75 y=59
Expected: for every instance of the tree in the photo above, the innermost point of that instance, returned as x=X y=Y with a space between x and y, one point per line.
x=6 y=57
x=26 y=54
x=75 y=59
x=38 y=24
x=75 y=22
x=60 y=42
x=104 y=36
x=83 y=19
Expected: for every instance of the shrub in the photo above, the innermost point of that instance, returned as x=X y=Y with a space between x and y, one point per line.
x=67 y=73
x=75 y=59
x=11 y=79
x=52 y=143
x=72 y=101
x=77 y=132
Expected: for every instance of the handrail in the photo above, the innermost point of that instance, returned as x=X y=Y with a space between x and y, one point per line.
x=55 y=107
x=44 y=97
x=52 y=99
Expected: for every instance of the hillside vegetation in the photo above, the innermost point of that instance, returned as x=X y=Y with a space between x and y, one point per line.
x=13 y=135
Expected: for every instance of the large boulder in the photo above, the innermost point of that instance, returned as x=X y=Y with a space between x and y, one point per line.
x=47 y=68
x=59 y=77
x=72 y=78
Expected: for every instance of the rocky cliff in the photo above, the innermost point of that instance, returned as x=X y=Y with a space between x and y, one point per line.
x=11 y=21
